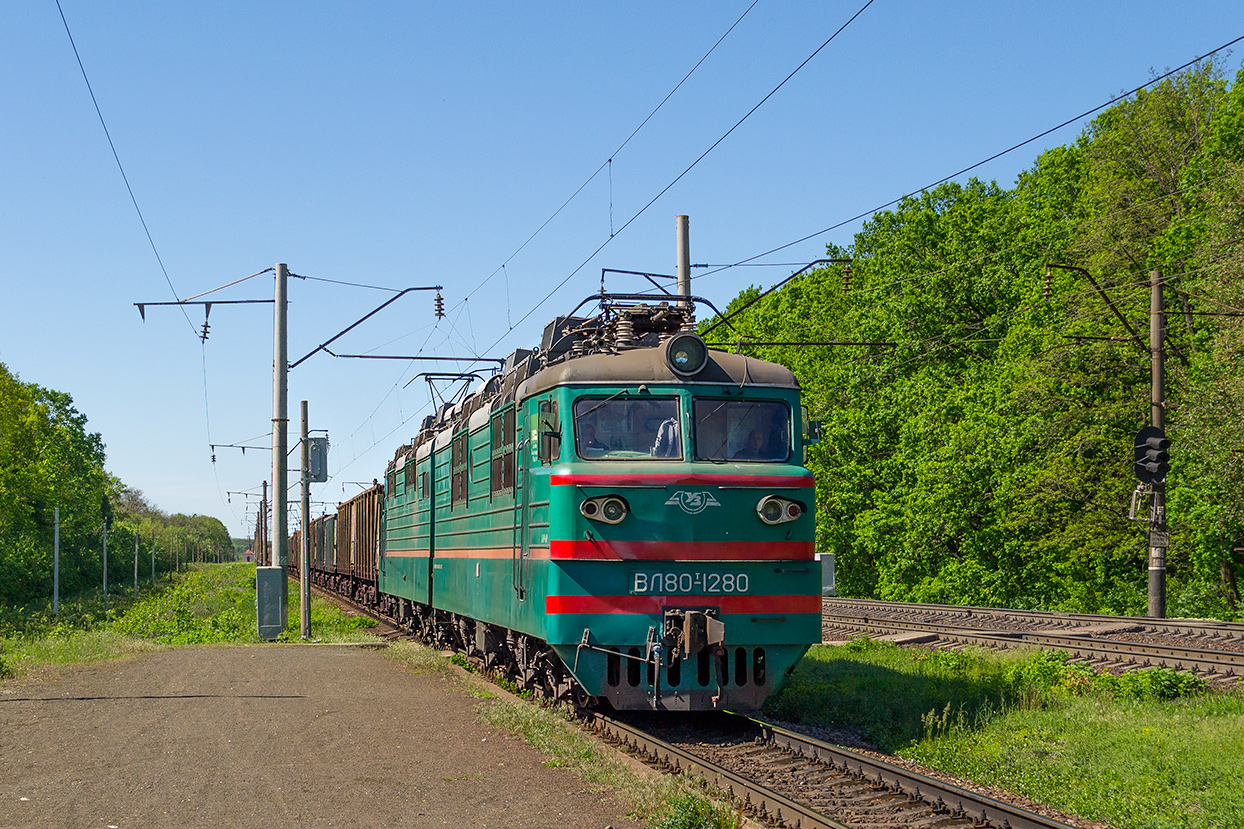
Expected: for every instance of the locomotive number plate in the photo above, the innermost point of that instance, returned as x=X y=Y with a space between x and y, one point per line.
x=700 y=582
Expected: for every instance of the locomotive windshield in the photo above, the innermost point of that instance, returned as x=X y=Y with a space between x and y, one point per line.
x=627 y=428
x=742 y=430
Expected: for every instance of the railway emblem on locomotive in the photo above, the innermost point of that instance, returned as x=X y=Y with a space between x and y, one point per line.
x=693 y=503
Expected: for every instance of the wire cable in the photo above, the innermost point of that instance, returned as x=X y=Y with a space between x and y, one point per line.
x=121 y=167
x=689 y=168
x=339 y=282
x=972 y=167
x=609 y=161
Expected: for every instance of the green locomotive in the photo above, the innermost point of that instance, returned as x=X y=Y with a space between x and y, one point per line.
x=621 y=515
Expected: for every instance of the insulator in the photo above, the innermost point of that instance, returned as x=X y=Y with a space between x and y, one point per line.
x=439 y=306
x=213 y=457
x=625 y=331
x=1048 y=278
x=846 y=279
x=203 y=333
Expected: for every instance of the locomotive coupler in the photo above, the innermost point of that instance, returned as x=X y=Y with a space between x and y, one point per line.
x=687 y=632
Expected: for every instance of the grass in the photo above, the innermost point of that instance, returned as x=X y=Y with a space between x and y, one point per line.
x=660 y=803
x=217 y=605
x=210 y=604
x=1152 y=749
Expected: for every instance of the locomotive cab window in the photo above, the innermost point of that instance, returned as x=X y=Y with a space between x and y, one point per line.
x=627 y=427
x=742 y=430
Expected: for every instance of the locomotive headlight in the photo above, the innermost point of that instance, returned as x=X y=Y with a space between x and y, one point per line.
x=608 y=509
x=775 y=510
x=686 y=354
x=613 y=510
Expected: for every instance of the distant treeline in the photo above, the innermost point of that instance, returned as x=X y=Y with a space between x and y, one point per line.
x=49 y=460
x=986 y=458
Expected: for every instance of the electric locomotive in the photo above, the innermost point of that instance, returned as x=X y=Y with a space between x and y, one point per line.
x=622 y=516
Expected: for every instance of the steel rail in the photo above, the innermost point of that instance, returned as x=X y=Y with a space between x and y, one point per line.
x=787 y=812
x=1203 y=660
x=1199 y=627
x=766 y=803
x=930 y=790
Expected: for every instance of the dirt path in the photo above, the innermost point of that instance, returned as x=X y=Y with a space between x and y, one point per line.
x=271 y=736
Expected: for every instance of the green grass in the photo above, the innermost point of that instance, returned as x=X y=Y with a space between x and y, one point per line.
x=217 y=605
x=660 y=803
x=210 y=604
x=1152 y=749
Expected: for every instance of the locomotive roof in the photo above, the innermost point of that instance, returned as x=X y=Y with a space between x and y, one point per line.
x=648 y=365
x=625 y=344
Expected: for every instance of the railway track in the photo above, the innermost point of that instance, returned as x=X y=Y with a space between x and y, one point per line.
x=792 y=780
x=1214 y=650
x=784 y=778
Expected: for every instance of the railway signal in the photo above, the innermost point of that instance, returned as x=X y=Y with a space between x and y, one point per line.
x=1151 y=457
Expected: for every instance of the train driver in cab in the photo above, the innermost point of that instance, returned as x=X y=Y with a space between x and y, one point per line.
x=589 y=445
x=755 y=449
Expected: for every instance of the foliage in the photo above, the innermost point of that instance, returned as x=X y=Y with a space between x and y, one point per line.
x=1049 y=672
x=217 y=604
x=896 y=696
x=210 y=604
x=984 y=457
x=690 y=811
x=1151 y=748
x=48 y=460
x=664 y=802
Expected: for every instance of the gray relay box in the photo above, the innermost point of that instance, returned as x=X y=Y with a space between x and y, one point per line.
x=270 y=601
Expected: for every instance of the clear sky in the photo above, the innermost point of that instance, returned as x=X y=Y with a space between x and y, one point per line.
x=403 y=144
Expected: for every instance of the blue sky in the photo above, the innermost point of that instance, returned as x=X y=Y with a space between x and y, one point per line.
x=401 y=144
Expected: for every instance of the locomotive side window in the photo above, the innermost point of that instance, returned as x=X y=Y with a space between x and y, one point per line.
x=501 y=475
x=458 y=470
x=627 y=428
x=742 y=430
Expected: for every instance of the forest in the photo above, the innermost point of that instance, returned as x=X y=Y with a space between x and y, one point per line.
x=49 y=460
x=983 y=454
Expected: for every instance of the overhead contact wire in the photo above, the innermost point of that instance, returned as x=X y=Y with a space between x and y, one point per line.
x=689 y=168
x=621 y=146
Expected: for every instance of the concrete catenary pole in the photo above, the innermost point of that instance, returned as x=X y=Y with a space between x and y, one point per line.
x=304 y=548
x=135 y=564
x=1158 y=535
x=105 y=569
x=56 y=563
x=280 y=440
x=153 y=542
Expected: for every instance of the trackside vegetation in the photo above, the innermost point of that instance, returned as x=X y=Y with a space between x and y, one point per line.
x=210 y=604
x=986 y=457
x=1151 y=749
x=49 y=460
